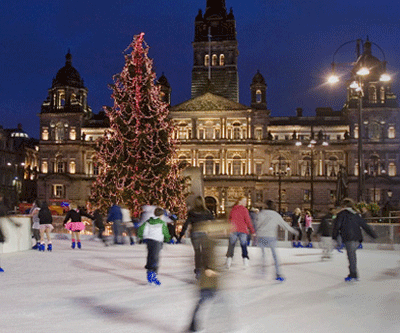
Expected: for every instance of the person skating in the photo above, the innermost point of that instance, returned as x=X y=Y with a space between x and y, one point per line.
x=45 y=226
x=115 y=216
x=296 y=224
x=154 y=231
x=198 y=214
x=308 y=227
x=240 y=221
x=266 y=226
x=73 y=222
x=348 y=224
x=325 y=231
x=34 y=213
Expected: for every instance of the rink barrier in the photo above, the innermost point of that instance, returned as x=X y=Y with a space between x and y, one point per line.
x=17 y=238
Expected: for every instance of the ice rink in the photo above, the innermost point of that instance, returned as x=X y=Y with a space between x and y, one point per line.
x=104 y=289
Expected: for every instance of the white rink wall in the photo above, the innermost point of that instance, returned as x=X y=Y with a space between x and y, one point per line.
x=17 y=238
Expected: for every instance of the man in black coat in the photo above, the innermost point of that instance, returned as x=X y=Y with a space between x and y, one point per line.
x=348 y=224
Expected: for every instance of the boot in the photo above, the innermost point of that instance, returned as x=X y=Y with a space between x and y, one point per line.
x=294 y=244
x=1 y=270
x=73 y=243
x=42 y=247
x=149 y=277
x=49 y=247
x=299 y=244
x=36 y=246
x=79 y=245
x=155 y=280
x=280 y=278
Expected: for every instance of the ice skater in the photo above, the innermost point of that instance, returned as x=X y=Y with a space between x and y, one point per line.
x=296 y=224
x=325 y=231
x=198 y=214
x=73 y=222
x=348 y=224
x=34 y=213
x=45 y=227
x=240 y=221
x=154 y=231
x=266 y=226
x=308 y=227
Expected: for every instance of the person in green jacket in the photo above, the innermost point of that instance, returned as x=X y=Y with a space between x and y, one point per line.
x=155 y=232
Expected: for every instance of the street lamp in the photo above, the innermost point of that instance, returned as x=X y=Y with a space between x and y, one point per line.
x=360 y=73
x=312 y=145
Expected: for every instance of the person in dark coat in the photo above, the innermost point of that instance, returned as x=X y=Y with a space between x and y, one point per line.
x=45 y=226
x=325 y=231
x=296 y=225
x=196 y=215
x=348 y=224
x=98 y=221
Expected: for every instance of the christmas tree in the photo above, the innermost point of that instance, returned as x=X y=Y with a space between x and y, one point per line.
x=136 y=155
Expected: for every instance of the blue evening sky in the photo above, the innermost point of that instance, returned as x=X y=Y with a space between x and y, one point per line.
x=291 y=42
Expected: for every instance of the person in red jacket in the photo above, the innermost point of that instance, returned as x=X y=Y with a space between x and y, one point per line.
x=240 y=221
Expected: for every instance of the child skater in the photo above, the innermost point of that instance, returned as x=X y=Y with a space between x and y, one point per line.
x=45 y=226
x=75 y=225
x=34 y=213
x=155 y=232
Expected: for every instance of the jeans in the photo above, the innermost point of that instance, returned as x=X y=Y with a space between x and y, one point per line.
x=117 y=231
x=351 y=248
x=243 y=243
x=153 y=255
x=197 y=239
x=271 y=243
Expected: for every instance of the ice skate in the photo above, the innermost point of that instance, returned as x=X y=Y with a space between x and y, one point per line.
x=350 y=279
x=228 y=263
x=280 y=278
x=149 y=277
x=49 y=247
x=36 y=246
x=73 y=244
x=299 y=244
x=79 y=245
x=155 y=280
x=42 y=247
x=245 y=262
x=1 y=270
x=294 y=244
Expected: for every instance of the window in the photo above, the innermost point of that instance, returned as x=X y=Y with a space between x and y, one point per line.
x=372 y=94
x=221 y=60
x=258 y=133
x=356 y=132
x=58 y=191
x=217 y=133
x=209 y=133
x=59 y=132
x=258 y=168
x=72 y=134
x=236 y=166
x=95 y=169
x=45 y=133
x=382 y=93
x=209 y=165
x=391 y=132
x=332 y=167
x=392 y=169
x=236 y=131
x=72 y=167
x=60 y=167
x=214 y=60
x=306 y=195
x=201 y=134
x=207 y=60
x=356 y=169
x=258 y=96
x=45 y=167
x=217 y=168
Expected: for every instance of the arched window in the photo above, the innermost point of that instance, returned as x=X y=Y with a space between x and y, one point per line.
x=392 y=169
x=45 y=134
x=59 y=131
x=236 y=166
x=221 y=60
x=214 y=60
x=391 y=132
x=332 y=167
x=305 y=167
x=236 y=131
x=72 y=134
x=206 y=60
x=375 y=130
x=45 y=167
x=209 y=165
x=72 y=167
x=258 y=96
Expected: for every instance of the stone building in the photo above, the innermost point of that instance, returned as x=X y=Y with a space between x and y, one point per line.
x=241 y=150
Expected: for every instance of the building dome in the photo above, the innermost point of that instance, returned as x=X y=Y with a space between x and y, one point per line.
x=375 y=66
x=68 y=75
x=258 y=78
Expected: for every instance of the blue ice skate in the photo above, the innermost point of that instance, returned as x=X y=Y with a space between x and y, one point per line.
x=49 y=247
x=280 y=278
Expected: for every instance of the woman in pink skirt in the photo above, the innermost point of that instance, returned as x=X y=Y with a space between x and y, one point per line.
x=75 y=225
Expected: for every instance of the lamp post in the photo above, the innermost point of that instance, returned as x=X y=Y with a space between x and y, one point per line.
x=359 y=78
x=312 y=143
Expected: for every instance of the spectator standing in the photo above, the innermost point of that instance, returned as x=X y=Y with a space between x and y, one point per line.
x=308 y=227
x=45 y=226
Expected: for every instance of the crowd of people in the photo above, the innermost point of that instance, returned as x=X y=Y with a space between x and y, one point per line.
x=155 y=226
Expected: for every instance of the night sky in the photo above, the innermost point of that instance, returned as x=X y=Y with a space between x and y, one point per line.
x=291 y=42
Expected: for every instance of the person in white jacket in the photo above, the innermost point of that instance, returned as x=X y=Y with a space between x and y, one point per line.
x=266 y=225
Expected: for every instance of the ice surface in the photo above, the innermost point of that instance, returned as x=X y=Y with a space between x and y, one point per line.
x=104 y=289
